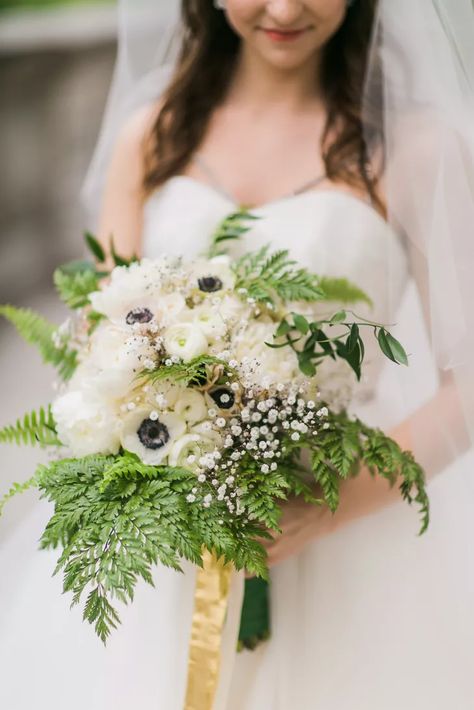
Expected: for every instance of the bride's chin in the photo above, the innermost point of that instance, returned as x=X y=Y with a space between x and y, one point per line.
x=284 y=58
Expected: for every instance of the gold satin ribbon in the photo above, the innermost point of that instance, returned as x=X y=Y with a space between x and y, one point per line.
x=210 y=607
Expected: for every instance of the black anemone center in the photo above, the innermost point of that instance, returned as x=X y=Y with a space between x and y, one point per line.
x=209 y=284
x=153 y=434
x=139 y=315
x=223 y=397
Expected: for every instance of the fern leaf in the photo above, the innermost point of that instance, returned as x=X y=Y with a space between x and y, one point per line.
x=74 y=288
x=35 y=428
x=232 y=228
x=17 y=489
x=36 y=330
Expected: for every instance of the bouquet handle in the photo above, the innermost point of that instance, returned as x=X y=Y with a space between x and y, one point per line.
x=212 y=606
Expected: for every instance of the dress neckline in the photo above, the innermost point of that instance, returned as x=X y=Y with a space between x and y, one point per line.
x=314 y=193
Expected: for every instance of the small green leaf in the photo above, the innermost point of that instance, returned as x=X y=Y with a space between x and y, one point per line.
x=323 y=341
x=301 y=323
x=391 y=348
x=78 y=266
x=95 y=247
x=306 y=365
x=397 y=349
x=353 y=358
x=283 y=329
x=338 y=317
x=353 y=338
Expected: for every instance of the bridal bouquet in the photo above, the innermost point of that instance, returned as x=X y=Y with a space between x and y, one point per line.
x=188 y=392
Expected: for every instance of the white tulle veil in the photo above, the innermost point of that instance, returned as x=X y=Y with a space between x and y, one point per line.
x=422 y=65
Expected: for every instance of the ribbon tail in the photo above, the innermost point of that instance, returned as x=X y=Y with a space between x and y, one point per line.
x=212 y=591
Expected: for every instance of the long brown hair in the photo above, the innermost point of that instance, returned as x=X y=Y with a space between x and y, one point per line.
x=208 y=54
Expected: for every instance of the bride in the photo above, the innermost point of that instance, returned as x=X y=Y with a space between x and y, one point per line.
x=286 y=107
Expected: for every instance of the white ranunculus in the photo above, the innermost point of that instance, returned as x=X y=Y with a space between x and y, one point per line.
x=187 y=451
x=191 y=406
x=151 y=440
x=185 y=340
x=206 y=431
x=232 y=309
x=209 y=321
x=169 y=307
x=85 y=425
x=266 y=365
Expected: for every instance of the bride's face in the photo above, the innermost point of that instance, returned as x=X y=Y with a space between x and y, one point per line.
x=286 y=33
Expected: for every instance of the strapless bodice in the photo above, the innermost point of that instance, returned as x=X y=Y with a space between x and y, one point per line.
x=328 y=231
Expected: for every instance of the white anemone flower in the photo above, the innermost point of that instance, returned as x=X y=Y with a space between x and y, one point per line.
x=85 y=424
x=151 y=439
x=186 y=341
x=138 y=286
x=213 y=275
x=117 y=348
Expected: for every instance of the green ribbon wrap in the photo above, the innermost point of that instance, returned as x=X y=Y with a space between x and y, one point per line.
x=255 y=616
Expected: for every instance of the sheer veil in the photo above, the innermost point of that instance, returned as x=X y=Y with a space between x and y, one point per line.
x=422 y=67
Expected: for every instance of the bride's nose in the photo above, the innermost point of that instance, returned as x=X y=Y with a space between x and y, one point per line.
x=284 y=12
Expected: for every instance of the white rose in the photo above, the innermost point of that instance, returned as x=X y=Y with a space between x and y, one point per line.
x=185 y=340
x=151 y=440
x=169 y=307
x=232 y=309
x=86 y=425
x=209 y=321
x=190 y=406
x=187 y=451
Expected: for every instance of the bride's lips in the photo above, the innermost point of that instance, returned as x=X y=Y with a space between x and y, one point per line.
x=283 y=35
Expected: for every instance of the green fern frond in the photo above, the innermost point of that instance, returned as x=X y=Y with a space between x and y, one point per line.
x=262 y=276
x=17 y=489
x=35 y=428
x=327 y=477
x=193 y=372
x=74 y=288
x=232 y=228
x=342 y=291
x=36 y=330
x=128 y=467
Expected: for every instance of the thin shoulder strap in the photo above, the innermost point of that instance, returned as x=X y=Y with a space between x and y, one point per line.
x=214 y=180
x=216 y=183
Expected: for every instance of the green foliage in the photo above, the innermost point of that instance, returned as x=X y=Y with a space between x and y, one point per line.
x=113 y=534
x=95 y=247
x=196 y=371
x=36 y=330
x=232 y=228
x=318 y=344
x=16 y=489
x=340 y=450
x=262 y=276
x=391 y=347
x=74 y=288
x=35 y=428
x=342 y=291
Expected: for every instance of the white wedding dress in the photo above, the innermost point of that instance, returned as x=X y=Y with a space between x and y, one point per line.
x=369 y=618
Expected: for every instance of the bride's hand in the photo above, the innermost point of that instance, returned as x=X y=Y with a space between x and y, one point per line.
x=298 y=524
